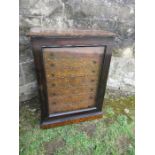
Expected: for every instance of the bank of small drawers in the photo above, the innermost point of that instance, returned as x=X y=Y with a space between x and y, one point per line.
x=72 y=76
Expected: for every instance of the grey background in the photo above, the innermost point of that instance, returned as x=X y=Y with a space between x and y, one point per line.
x=111 y=15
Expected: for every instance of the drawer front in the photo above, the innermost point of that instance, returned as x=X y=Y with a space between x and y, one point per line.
x=72 y=81
x=72 y=102
x=61 y=91
x=72 y=76
x=57 y=72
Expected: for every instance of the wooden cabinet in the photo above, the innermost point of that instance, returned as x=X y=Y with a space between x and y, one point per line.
x=72 y=69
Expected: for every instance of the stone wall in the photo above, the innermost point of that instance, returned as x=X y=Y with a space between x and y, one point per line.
x=111 y=15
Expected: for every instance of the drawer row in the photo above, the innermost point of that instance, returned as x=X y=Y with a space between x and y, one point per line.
x=62 y=91
x=83 y=72
x=72 y=53
x=71 y=82
x=72 y=63
x=68 y=103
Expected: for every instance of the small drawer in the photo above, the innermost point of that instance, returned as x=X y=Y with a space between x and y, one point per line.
x=61 y=91
x=71 y=72
x=72 y=102
x=73 y=81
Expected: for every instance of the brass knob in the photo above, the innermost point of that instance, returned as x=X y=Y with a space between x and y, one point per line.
x=94 y=62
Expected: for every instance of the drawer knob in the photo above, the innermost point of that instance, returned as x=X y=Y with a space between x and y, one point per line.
x=53 y=84
x=91 y=97
x=94 y=62
x=91 y=89
x=52 y=65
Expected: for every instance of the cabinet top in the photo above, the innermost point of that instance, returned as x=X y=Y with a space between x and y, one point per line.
x=69 y=33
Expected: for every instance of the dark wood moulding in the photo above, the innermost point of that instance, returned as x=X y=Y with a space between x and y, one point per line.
x=71 y=120
x=72 y=69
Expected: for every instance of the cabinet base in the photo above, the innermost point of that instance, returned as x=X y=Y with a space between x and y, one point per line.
x=70 y=120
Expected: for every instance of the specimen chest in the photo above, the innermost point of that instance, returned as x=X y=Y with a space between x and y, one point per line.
x=72 y=68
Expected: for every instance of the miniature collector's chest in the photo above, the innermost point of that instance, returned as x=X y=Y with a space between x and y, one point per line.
x=72 y=68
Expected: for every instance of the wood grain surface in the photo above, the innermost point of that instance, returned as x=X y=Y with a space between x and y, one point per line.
x=36 y=31
x=72 y=76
